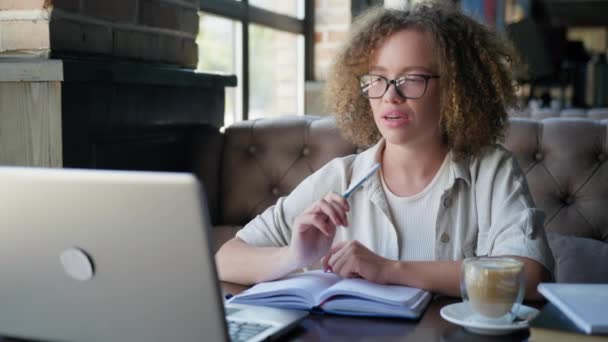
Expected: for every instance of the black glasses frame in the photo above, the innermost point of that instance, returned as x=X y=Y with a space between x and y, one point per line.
x=394 y=82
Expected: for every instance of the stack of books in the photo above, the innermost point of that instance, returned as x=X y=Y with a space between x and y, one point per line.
x=576 y=312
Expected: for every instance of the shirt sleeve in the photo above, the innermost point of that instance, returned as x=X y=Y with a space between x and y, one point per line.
x=273 y=227
x=516 y=225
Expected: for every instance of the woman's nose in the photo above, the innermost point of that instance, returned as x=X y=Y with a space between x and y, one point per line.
x=391 y=95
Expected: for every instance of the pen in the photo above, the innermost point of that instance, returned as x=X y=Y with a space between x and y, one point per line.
x=360 y=182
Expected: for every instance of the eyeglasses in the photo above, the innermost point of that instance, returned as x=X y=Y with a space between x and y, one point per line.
x=408 y=86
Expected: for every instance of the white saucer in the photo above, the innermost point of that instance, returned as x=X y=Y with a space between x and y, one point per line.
x=460 y=313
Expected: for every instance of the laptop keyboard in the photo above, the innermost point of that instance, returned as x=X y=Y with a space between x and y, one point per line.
x=243 y=331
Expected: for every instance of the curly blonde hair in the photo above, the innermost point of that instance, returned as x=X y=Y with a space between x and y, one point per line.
x=476 y=84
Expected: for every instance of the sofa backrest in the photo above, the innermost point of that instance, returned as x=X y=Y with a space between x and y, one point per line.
x=564 y=160
x=565 y=164
x=266 y=159
x=599 y=113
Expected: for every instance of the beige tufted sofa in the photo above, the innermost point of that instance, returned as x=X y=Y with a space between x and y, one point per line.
x=545 y=113
x=565 y=161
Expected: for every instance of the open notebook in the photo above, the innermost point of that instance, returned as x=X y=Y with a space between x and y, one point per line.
x=329 y=293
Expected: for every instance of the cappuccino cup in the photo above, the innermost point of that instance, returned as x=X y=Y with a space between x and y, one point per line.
x=493 y=288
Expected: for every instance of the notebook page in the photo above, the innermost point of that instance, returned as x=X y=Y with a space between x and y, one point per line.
x=306 y=285
x=354 y=306
x=389 y=294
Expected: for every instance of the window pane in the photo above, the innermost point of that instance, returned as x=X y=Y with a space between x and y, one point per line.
x=219 y=50
x=294 y=8
x=276 y=73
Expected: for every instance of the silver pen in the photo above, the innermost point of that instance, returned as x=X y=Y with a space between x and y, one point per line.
x=360 y=182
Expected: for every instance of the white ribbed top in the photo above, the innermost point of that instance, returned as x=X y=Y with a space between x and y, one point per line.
x=414 y=216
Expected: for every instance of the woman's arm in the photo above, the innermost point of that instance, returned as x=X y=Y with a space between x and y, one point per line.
x=240 y=263
x=513 y=225
x=534 y=273
x=352 y=259
x=313 y=233
x=444 y=276
x=294 y=233
x=441 y=277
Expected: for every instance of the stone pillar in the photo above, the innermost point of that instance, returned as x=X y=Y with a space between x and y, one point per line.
x=30 y=113
x=144 y=30
x=104 y=84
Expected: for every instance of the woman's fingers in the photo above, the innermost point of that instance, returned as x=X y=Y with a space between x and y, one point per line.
x=326 y=258
x=338 y=246
x=339 y=210
x=339 y=255
x=337 y=263
x=334 y=197
x=348 y=269
x=333 y=211
x=346 y=266
x=324 y=262
x=332 y=205
x=323 y=223
x=323 y=216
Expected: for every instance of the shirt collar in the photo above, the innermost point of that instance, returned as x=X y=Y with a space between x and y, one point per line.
x=461 y=169
x=364 y=162
x=373 y=155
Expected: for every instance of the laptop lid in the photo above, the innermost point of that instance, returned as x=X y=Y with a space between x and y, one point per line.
x=106 y=256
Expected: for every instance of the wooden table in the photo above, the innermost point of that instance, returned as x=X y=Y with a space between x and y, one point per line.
x=431 y=327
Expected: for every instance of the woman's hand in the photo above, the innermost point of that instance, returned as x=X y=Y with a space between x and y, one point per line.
x=350 y=259
x=315 y=228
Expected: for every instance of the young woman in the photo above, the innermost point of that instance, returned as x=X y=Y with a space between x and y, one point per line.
x=428 y=88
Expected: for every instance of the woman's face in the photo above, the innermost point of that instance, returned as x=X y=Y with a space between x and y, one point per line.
x=400 y=120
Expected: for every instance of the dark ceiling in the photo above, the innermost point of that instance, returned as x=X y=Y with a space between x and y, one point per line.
x=576 y=12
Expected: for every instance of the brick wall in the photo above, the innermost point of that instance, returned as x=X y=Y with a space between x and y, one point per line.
x=332 y=22
x=289 y=75
x=148 y=30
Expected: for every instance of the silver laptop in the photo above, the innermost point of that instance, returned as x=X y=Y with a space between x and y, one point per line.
x=114 y=256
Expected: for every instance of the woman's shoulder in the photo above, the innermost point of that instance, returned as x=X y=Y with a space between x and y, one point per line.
x=332 y=176
x=492 y=154
x=344 y=165
x=493 y=159
x=352 y=162
x=337 y=166
x=337 y=174
x=335 y=170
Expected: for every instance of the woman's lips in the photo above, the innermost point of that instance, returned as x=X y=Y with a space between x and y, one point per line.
x=395 y=118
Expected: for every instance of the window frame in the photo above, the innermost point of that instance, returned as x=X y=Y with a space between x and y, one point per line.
x=358 y=6
x=247 y=14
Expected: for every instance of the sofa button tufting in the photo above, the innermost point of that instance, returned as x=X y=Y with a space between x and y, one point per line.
x=569 y=200
x=538 y=156
x=275 y=191
x=601 y=157
x=252 y=149
x=306 y=151
x=445 y=238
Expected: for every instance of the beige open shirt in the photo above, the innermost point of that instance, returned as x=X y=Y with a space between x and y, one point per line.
x=487 y=210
